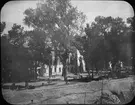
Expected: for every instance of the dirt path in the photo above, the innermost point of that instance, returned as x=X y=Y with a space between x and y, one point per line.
x=62 y=93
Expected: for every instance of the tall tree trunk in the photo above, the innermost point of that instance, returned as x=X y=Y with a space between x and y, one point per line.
x=35 y=73
x=50 y=70
x=92 y=71
x=55 y=68
x=87 y=67
x=26 y=84
x=76 y=66
x=96 y=69
x=64 y=73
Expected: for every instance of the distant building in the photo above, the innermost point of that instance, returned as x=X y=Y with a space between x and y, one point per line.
x=57 y=71
x=44 y=70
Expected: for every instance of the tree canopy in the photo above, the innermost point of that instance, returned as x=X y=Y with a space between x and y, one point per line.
x=59 y=31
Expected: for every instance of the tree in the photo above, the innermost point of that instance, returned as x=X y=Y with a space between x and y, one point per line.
x=102 y=42
x=93 y=53
x=131 y=31
x=3 y=25
x=15 y=56
x=5 y=58
x=60 y=21
x=16 y=35
x=39 y=49
x=9 y=54
x=113 y=30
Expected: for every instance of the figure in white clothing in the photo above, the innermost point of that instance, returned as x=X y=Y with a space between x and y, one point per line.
x=110 y=65
x=121 y=64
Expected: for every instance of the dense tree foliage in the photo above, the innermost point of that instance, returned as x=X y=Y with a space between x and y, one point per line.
x=59 y=21
x=107 y=39
x=58 y=32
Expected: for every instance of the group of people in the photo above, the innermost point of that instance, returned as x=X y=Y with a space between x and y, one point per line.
x=116 y=69
x=119 y=64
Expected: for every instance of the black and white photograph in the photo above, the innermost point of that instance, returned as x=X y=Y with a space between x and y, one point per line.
x=67 y=52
